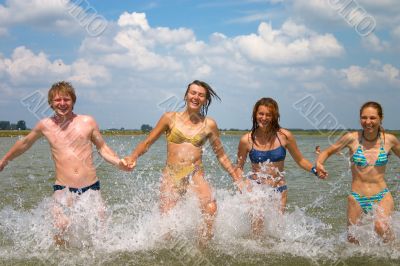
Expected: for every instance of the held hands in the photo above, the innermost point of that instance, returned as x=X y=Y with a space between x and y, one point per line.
x=123 y=165
x=321 y=172
x=128 y=163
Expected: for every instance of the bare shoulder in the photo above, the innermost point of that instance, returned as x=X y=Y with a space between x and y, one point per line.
x=351 y=136
x=283 y=132
x=211 y=122
x=168 y=115
x=44 y=125
x=86 y=118
x=246 y=137
x=167 y=119
x=391 y=138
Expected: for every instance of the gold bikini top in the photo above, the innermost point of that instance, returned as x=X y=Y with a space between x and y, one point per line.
x=176 y=136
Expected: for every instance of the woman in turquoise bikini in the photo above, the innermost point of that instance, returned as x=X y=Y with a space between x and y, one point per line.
x=369 y=149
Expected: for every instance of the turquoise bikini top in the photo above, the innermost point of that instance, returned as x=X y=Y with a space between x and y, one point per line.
x=359 y=158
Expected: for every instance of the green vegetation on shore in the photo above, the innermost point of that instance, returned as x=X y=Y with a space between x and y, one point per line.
x=299 y=132
x=13 y=133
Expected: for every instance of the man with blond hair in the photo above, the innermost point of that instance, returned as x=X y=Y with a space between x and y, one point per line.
x=71 y=138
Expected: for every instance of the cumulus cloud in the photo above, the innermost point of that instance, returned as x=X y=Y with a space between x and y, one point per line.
x=62 y=16
x=133 y=20
x=385 y=11
x=375 y=73
x=136 y=46
x=373 y=43
x=25 y=67
x=356 y=76
x=135 y=57
x=391 y=73
x=291 y=44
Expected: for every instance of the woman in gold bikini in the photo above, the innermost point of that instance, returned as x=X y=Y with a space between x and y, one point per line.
x=186 y=133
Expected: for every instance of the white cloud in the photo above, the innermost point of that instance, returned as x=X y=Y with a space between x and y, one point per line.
x=384 y=11
x=135 y=45
x=133 y=20
x=61 y=16
x=25 y=67
x=22 y=11
x=391 y=73
x=373 y=74
x=356 y=76
x=280 y=46
x=302 y=73
x=139 y=53
x=86 y=74
x=356 y=14
x=315 y=9
x=373 y=43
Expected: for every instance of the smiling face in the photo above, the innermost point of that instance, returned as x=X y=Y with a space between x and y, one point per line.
x=264 y=116
x=196 y=97
x=62 y=104
x=62 y=98
x=370 y=119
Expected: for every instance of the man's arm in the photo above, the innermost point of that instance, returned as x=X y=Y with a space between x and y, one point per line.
x=21 y=146
x=105 y=151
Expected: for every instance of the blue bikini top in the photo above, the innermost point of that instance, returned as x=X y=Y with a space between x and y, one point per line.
x=275 y=155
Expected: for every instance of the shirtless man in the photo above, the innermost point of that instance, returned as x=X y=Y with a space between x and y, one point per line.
x=70 y=137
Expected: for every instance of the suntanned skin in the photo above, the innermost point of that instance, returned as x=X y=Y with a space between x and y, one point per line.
x=288 y=141
x=369 y=180
x=189 y=122
x=70 y=137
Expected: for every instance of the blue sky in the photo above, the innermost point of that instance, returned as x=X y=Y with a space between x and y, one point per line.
x=318 y=58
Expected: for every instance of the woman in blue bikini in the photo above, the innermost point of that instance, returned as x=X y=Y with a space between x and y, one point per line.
x=266 y=146
x=369 y=149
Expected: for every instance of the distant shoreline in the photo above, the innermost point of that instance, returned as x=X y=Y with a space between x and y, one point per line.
x=298 y=132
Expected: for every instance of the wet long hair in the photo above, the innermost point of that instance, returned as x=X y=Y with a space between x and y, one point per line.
x=379 y=109
x=274 y=126
x=210 y=95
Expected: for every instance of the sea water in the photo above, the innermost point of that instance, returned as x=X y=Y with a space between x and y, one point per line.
x=311 y=232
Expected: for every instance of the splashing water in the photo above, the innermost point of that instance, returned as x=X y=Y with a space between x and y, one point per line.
x=134 y=232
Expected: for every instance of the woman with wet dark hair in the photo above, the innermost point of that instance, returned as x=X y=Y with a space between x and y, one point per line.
x=266 y=146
